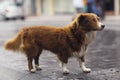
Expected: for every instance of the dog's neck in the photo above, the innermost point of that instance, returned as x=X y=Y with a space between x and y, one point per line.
x=77 y=39
x=90 y=36
x=78 y=33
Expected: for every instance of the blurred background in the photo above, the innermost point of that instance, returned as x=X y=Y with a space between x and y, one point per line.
x=13 y=9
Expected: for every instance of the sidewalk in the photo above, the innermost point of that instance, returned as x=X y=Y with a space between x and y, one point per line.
x=67 y=18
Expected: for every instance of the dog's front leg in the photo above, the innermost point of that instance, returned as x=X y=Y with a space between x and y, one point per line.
x=82 y=64
x=64 y=68
x=81 y=59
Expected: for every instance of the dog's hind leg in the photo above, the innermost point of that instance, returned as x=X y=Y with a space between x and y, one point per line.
x=31 y=52
x=36 y=58
x=30 y=66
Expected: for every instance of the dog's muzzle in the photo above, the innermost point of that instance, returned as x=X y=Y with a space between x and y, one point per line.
x=102 y=27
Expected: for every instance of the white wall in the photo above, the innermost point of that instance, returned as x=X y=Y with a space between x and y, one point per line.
x=63 y=6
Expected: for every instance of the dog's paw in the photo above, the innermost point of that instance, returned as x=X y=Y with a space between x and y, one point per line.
x=66 y=71
x=86 y=70
x=38 y=67
x=33 y=70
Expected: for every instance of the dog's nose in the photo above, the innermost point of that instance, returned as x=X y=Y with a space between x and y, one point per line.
x=103 y=26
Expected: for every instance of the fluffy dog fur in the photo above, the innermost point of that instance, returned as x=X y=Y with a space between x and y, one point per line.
x=65 y=42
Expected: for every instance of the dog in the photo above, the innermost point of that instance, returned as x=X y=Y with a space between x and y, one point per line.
x=65 y=42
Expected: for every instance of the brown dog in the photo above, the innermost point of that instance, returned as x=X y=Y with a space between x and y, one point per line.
x=65 y=42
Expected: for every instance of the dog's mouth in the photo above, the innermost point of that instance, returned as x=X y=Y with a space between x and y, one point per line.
x=99 y=29
x=102 y=27
x=95 y=28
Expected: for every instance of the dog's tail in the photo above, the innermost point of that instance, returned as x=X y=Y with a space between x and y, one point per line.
x=14 y=43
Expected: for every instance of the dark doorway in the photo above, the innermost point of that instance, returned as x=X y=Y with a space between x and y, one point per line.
x=109 y=7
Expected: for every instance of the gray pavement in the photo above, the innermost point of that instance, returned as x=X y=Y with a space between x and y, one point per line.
x=102 y=57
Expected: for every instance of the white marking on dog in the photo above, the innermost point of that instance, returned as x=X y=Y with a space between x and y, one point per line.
x=81 y=53
x=82 y=65
x=64 y=68
x=84 y=68
x=33 y=70
x=37 y=67
x=90 y=37
x=100 y=24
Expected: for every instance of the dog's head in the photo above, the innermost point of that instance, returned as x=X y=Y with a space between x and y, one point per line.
x=88 y=22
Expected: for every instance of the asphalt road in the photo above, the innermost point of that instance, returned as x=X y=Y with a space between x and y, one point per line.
x=102 y=57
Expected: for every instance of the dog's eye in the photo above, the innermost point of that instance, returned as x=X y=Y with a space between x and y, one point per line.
x=98 y=18
x=93 y=20
x=86 y=21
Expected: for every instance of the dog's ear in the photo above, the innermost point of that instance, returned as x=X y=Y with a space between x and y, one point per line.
x=81 y=18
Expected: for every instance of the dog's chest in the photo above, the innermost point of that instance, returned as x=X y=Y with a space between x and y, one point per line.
x=90 y=37
x=81 y=53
